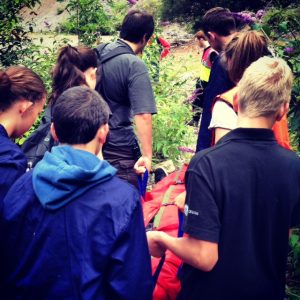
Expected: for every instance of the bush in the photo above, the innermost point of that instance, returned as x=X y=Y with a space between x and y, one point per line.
x=193 y=10
x=171 y=88
x=151 y=6
x=293 y=274
x=14 y=39
x=88 y=20
x=282 y=27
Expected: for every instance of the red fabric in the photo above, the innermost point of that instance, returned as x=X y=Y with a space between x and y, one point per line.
x=166 y=45
x=168 y=285
x=281 y=133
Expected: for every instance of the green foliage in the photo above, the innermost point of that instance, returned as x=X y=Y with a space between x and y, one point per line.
x=283 y=27
x=41 y=60
x=152 y=6
x=293 y=274
x=171 y=88
x=88 y=20
x=119 y=9
x=193 y=10
x=14 y=38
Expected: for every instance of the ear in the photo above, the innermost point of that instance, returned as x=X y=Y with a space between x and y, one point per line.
x=102 y=133
x=211 y=35
x=145 y=41
x=53 y=133
x=23 y=106
x=282 y=111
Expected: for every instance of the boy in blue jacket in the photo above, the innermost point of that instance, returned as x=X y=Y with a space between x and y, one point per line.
x=71 y=229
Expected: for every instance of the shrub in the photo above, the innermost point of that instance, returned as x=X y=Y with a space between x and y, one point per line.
x=171 y=88
x=192 y=10
x=88 y=20
x=152 y=6
x=14 y=38
x=282 y=27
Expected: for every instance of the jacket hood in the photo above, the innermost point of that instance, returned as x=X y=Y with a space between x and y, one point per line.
x=66 y=173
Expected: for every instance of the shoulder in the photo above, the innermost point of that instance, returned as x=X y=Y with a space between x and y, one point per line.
x=118 y=194
x=19 y=196
x=290 y=156
x=11 y=154
x=200 y=159
x=223 y=116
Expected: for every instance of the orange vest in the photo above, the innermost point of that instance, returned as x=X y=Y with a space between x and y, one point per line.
x=280 y=128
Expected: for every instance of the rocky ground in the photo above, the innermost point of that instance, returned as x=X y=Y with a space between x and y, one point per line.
x=47 y=16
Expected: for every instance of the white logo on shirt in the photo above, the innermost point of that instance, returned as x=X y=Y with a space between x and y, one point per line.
x=189 y=211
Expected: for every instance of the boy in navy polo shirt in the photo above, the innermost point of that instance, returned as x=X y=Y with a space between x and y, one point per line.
x=243 y=196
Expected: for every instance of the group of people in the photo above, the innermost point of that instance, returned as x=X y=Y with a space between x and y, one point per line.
x=70 y=228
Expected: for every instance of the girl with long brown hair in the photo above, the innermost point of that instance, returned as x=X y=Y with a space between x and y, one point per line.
x=75 y=66
x=22 y=97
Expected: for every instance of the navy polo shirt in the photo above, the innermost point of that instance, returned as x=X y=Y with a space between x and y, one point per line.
x=243 y=194
x=13 y=162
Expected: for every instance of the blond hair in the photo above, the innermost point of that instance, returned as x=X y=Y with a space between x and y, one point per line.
x=245 y=48
x=264 y=87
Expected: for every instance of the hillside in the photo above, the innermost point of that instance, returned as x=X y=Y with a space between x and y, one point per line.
x=46 y=16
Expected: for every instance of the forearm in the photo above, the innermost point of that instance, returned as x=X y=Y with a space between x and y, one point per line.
x=143 y=124
x=199 y=254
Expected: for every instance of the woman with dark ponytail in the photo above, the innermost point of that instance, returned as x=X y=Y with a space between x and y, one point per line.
x=75 y=66
x=22 y=97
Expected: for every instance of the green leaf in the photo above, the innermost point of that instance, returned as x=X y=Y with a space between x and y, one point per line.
x=294 y=239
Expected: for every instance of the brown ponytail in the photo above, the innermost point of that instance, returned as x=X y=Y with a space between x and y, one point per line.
x=19 y=82
x=245 y=48
x=69 y=68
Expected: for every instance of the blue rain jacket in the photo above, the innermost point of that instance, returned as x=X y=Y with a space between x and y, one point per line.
x=73 y=230
x=13 y=163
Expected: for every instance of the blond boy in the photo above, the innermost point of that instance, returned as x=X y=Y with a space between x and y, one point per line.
x=243 y=196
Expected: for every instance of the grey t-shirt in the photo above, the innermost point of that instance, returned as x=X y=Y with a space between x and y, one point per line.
x=127 y=89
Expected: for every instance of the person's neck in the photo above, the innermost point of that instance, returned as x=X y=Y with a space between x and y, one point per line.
x=135 y=47
x=227 y=39
x=90 y=147
x=8 y=122
x=257 y=122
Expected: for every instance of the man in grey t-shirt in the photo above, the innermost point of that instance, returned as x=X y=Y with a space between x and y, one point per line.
x=125 y=85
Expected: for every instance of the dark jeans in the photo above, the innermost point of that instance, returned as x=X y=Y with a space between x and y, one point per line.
x=123 y=160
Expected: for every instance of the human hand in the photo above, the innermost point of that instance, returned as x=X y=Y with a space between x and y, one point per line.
x=142 y=164
x=180 y=201
x=156 y=248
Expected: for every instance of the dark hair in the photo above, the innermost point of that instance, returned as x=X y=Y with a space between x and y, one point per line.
x=135 y=25
x=69 y=68
x=219 y=20
x=19 y=82
x=78 y=114
x=245 y=48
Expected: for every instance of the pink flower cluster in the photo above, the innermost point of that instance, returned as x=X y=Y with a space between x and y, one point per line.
x=186 y=149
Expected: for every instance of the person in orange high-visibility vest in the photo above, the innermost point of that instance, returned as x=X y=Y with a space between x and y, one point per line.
x=207 y=59
x=244 y=49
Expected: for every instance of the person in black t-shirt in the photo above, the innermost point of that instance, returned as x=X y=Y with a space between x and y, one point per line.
x=243 y=196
